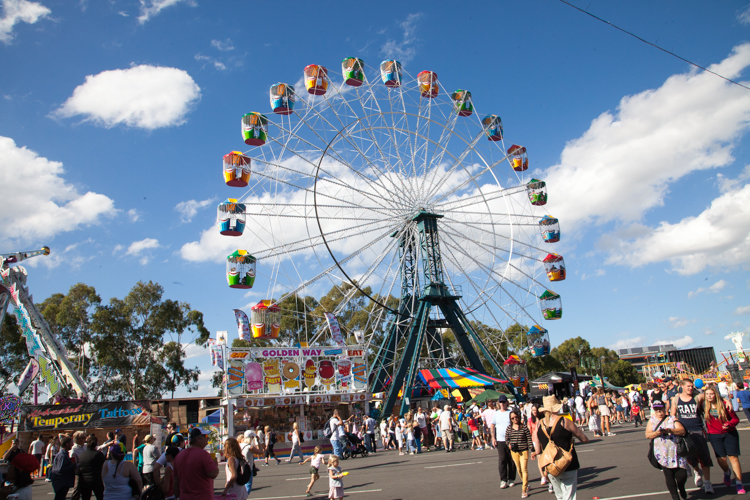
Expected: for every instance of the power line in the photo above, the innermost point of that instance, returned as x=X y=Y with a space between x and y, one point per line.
x=654 y=45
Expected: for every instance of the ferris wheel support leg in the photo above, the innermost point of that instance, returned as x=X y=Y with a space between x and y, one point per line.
x=379 y=370
x=407 y=368
x=488 y=356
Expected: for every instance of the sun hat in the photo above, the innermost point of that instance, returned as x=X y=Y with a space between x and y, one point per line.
x=25 y=462
x=550 y=403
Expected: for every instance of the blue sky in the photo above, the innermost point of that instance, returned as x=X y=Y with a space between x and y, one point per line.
x=115 y=116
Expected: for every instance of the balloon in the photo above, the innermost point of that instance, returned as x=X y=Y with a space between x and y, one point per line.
x=698 y=383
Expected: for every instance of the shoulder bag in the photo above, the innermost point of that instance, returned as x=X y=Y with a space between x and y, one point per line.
x=651 y=457
x=555 y=460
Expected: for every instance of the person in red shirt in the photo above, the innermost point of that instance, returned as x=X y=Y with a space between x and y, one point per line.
x=721 y=423
x=194 y=469
x=476 y=440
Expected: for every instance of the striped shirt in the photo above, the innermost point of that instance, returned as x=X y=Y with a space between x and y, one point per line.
x=520 y=437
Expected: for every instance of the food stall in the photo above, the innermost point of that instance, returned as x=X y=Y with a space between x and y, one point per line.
x=280 y=386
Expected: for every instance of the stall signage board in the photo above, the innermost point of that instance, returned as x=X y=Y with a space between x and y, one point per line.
x=86 y=415
x=262 y=372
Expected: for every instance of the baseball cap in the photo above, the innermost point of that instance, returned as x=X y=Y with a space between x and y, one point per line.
x=658 y=405
x=667 y=379
x=502 y=398
x=196 y=432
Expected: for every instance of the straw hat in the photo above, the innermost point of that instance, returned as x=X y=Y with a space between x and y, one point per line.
x=550 y=403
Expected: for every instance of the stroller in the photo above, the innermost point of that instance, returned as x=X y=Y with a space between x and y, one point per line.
x=353 y=446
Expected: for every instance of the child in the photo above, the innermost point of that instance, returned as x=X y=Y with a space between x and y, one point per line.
x=400 y=438
x=594 y=423
x=635 y=411
x=476 y=443
x=315 y=460
x=335 y=485
x=411 y=446
x=168 y=481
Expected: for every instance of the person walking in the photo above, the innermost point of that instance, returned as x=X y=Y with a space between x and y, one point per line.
x=423 y=427
x=743 y=396
x=370 y=442
x=335 y=483
x=233 y=454
x=63 y=469
x=687 y=409
x=53 y=448
x=167 y=484
x=384 y=434
x=533 y=423
x=250 y=448
x=90 y=463
x=447 y=422
x=337 y=434
x=36 y=449
x=721 y=425
x=150 y=456
x=663 y=429
x=296 y=447
x=315 y=462
x=194 y=469
x=562 y=432
x=602 y=403
x=487 y=415
x=270 y=436
x=518 y=438
x=498 y=426
x=117 y=474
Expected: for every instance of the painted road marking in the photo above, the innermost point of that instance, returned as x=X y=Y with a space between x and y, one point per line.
x=304 y=496
x=451 y=465
x=717 y=486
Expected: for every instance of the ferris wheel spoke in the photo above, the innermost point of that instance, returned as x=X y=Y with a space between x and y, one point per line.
x=482 y=197
x=515 y=242
x=458 y=163
x=442 y=146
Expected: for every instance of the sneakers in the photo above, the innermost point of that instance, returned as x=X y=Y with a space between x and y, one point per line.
x=551 y=489
x=278 y=462
x=544 y=480
x=740 y=488
x=727 y=479
x=511 y=484
x=698 y=478
x=524 y=495
x=611 y=434
x=503 y=485
x=707 y=487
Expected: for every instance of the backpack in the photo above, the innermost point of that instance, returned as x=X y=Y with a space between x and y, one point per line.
x=272 y=438
x=555 y=460
x=327 y=431
x=244 y=472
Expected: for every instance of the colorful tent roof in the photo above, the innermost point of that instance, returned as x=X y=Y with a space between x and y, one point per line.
x=454 y=378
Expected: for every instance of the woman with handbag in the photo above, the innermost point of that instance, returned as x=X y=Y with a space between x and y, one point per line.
x=555 y=437
x=533 y=423
x=518 y=438
x=663 y=431
x=721 y=423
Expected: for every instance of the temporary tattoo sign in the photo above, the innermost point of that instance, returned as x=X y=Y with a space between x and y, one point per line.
x=86 y=415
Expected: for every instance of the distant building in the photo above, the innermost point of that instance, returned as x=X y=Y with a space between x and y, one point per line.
x=697 y=359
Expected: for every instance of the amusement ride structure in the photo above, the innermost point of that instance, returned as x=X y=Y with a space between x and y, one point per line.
x=387 y=185
x=48 y=358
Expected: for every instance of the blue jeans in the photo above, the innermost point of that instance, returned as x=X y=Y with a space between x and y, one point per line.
x=419 y=445
x=338 y=447
x=370 y=442
x=249 y=484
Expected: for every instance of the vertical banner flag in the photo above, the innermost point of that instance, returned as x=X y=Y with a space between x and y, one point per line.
x=333 y=324
x=243 y=324
x=28 y=375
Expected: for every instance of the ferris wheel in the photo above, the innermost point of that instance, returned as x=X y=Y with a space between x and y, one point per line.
x=382 y=183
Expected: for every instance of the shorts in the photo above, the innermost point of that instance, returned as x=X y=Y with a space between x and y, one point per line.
x=38 y=456
x=604 y=410
x=618 y=408
x=314 y=470
x=704 y=454
x=727 y=444
x=475 y=434
x=447 y=435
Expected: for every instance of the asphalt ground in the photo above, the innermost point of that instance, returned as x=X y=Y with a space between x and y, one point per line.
x=612 y=468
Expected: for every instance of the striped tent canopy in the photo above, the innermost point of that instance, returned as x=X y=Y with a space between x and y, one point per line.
x=455 y=378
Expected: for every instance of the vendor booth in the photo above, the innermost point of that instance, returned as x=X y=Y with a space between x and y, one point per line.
x=277 y=387
x=561 y=384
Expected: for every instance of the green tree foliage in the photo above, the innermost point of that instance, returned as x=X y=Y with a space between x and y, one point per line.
x=570 y=352
x=69 y=318
x=129 y=344
x=15 y=356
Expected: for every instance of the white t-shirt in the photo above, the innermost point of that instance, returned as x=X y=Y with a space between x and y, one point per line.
x=421 y=420
x=337 y=429
x=383 y=428
x=445 y=420
x=501 y=419
x=37 y=447
x=316 y=461
x=76 y=451
x=723 y=389
x=295 y=437
x=579 y=405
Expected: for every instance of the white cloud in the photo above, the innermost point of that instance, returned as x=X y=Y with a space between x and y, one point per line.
x=404 y=49
x=19 y=11
x=210 y=60
x=744 y=16
x=742 y=310
x=677 y=342
x=123 y=13
x=143 y=96
x=627 y=343
x=222 y=45
x=141 y=249
x=37 y=203
x=188 y=209
x=597 y=273
x=150 y=8
x=134 y=215
x=675 y=322
x=715 y=288
x=193 y=350
x=709 y=332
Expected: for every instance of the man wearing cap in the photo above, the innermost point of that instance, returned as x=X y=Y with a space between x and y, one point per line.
x=194 y=469
x=498 y=426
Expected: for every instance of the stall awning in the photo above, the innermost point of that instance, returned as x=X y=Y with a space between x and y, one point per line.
x=454 y=378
